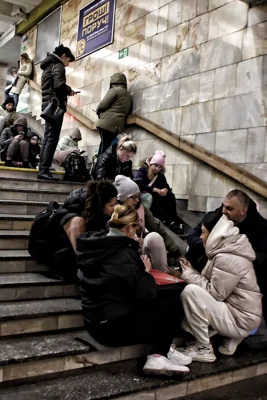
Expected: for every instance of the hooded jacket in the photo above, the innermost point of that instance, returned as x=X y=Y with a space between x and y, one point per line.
x=24 y=73
x=54 y=81
x=67 y=142
x=115 y=106
x=229 y=275
x=108 y=165
x=8 y=135
x=112 y=277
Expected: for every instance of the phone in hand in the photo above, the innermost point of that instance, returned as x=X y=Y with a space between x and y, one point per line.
x=77 y=91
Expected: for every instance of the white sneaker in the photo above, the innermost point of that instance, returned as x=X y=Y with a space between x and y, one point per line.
x=199 y=352
x=228 y=347
x=178 y=358
x=160 y=365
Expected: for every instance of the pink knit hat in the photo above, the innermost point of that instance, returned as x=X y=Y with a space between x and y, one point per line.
x=158 y=158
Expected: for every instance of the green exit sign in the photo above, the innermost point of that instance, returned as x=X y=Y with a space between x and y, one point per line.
x=124 y=53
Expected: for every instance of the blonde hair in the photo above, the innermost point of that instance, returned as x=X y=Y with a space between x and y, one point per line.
x=126 y=143
x=122 y=216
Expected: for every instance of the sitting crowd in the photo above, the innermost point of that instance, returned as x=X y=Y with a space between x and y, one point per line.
x=111 y=243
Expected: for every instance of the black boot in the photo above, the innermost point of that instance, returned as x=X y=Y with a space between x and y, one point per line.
x=177 y=228
x=25 y=164
x=46 y=176
x=8 y=163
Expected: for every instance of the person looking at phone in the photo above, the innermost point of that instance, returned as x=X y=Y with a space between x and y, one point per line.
x=67 y=144
x=14 y=144
x=121 y=303
x=54 y=86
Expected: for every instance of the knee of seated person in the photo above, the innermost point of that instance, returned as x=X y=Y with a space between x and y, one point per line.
x=74 y=222
x=153 y=238
x=189 y=290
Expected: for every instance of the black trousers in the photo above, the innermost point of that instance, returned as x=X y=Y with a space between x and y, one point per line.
x=51 y=138
x=106 y=140
x=164 y=208
x=155 y=324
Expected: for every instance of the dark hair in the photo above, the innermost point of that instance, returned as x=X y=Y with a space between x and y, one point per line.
x=60 y=50
x=242 y=196
x=99 y=193
x=25 y=56
x=210 y=220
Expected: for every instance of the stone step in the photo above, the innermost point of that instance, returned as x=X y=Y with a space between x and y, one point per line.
x=9 y=172
x=18 y=261
x=17 y=222
x=32 y=195
x=22 y=207
x=14 y=240
x=29 y=286
x=29 y=183
x=124 y=380
x=31 y=316
x=26 y=357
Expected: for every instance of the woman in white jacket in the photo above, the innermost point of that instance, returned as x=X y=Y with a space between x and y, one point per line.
x=225 y=297
x=66 y=145
x=24 y=73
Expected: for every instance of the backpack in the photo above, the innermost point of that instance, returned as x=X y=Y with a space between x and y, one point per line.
x=75 y=168
x=45 y=233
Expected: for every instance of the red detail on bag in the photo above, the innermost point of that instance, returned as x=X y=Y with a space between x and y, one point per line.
x=162 y=278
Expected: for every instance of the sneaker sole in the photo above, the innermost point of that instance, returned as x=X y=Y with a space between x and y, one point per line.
x=225 y=352
x=209 y=359
x=167 y=372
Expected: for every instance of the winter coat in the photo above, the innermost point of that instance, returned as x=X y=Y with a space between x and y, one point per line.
x=112 y=277
x=108 y=165
x=34 y=151
x=67 y=142
x=8 y=135
x=229 y=275
x=24 y=73
x=115 y=106
x=10 y=117
x=143 y=181
x=254 y=227
x=54 y=81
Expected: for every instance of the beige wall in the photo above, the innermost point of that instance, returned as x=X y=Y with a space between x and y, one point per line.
x=199 y=68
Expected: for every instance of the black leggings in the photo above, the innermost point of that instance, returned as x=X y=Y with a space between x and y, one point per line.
x=164 y=208
x=156 y=324
x=106 y=140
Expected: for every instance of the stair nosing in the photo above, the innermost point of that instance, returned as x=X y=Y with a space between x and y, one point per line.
x=53 y=282
x=26 y=202
x=46 y=191
x=14 y=255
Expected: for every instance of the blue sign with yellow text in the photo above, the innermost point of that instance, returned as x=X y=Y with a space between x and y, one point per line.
x=96 y=26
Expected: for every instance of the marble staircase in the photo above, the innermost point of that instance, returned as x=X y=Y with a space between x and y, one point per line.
x=40 y=321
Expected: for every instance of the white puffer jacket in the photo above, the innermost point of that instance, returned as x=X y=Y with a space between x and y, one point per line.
x=229 y=274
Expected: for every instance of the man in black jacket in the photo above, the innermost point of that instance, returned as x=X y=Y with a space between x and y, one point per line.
x=53 y=86
x=242 y=210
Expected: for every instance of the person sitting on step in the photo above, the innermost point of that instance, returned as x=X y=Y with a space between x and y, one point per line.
x=89 y=209
x=120 y=300
x=67 y=144
x=116 y=160
x=14 y=144
x=9 y=113
x=34 y=151
x=152 y=236
x=151 y=179
x=225 y=298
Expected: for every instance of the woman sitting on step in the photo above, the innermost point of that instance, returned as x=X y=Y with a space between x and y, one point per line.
x=225 y=297
x=120 y=299
x=89 y=209
x=151 y=179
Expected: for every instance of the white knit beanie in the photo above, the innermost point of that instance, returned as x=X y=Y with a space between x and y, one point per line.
x=126 y=187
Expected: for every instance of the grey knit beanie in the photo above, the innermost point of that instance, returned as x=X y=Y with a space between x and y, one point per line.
x=126 y=187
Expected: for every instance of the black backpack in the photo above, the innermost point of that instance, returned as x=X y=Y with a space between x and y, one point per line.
x=75 y=168
x=45 y=233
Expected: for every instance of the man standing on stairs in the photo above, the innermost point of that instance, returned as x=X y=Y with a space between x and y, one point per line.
x=53 y=86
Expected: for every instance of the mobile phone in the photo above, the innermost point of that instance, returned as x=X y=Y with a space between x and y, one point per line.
x=77 y=92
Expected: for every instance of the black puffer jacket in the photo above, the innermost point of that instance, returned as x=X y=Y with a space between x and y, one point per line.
x=54 y=81
x=108 y=166
x=113 y=277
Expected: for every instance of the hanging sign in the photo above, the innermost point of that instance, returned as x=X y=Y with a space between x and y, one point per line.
x=95 y=27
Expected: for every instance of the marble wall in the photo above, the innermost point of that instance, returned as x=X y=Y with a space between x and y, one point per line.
x=3 y=78
x=197 y=67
